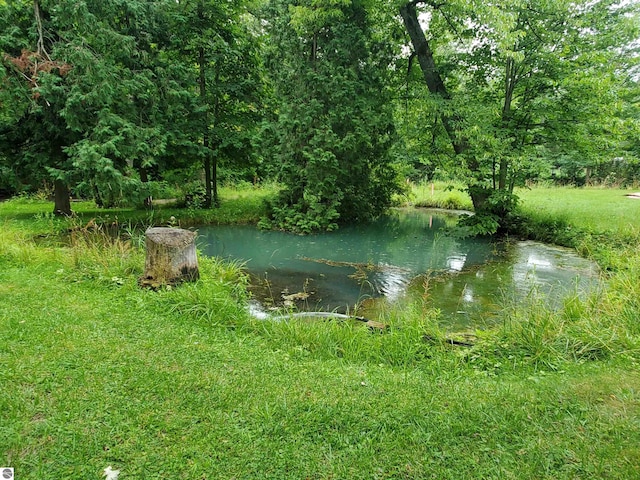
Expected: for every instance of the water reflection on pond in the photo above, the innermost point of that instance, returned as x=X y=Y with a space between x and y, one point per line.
x=395 y=258
x=525 y=269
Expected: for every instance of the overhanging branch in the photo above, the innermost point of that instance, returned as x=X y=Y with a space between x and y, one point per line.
x=40 y=43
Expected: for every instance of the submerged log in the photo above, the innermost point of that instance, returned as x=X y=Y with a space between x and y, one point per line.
x=372 y=267
x=171 y=257
x=370 y=324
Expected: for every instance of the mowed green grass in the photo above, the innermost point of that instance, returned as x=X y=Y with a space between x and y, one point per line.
x=97 y=372
x=239 y=205
x=593 y=208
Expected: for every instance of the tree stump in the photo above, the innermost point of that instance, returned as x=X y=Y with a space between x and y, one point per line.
x=171 y=257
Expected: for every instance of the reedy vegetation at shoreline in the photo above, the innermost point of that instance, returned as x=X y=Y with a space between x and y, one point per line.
x=599 y=223
x=182 y=382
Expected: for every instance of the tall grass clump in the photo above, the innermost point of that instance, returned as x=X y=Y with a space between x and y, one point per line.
x=218 y=298
x=603 y=326
x=528 y=336
x=97 y=254
x=621 y=303
x=540 y=226
x=30 y=237
x=17 y=247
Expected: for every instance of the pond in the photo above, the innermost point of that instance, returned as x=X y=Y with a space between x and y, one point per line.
x=403 y=255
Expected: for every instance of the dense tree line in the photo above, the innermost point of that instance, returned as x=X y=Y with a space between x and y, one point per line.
x=338 y=100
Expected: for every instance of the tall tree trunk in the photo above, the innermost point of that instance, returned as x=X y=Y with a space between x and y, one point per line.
x=214 y=182
x=62 y=199
x=509 y=86
x=202 y=83
x=436 y=86
x=430 y=71
x=314 y=48
x=205 y=128
x=214 y=162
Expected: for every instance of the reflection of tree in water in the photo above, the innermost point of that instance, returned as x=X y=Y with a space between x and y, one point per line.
x=337 y=270
x=474 y=295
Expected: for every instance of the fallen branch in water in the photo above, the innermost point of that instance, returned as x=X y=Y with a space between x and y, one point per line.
x=372 y=267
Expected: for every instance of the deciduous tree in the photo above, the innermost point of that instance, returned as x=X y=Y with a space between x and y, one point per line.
x=516 y=81
x=217 y=38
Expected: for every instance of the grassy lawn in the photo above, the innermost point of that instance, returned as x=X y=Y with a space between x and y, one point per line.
x=439 y=195
x=181 y=383
x=593 y=208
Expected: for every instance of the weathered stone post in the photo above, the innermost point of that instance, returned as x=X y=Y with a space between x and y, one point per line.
x=171 y=257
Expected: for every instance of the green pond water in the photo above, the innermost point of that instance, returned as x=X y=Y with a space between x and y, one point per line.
x=403 y=255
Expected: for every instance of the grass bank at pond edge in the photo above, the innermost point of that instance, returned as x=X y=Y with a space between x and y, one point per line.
x=602 y=224
x=184 y=384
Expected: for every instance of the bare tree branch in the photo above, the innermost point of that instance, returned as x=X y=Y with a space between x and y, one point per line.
x=40 y=45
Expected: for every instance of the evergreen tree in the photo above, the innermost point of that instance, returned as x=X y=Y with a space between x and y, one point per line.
x=87 y=91
x=102 y=96
x=334 y=125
